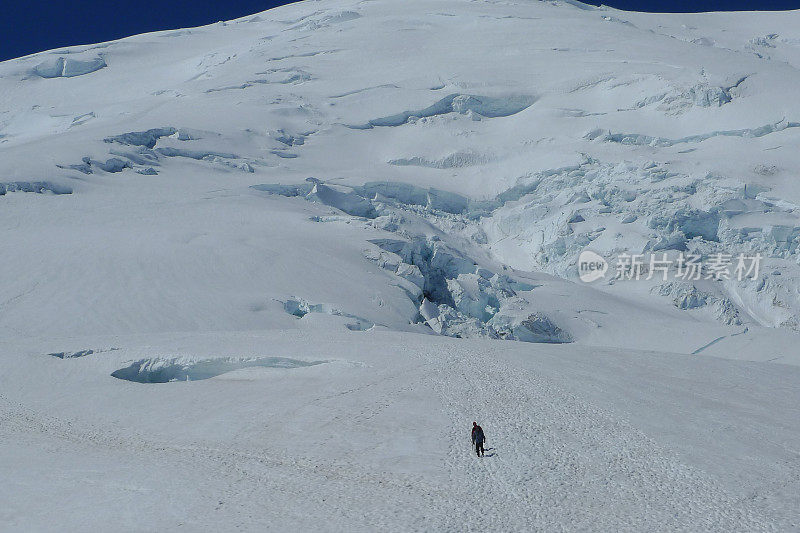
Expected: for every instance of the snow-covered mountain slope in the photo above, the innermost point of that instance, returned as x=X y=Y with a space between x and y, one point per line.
x=454 y=148
x=376 y=436
x=296 y=206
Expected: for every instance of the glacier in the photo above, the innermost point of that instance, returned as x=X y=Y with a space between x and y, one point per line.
x=263 y=274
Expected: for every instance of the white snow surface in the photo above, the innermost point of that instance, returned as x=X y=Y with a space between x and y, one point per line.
x=263 y=274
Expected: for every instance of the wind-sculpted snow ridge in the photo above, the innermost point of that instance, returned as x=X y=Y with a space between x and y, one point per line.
x=142 y=157
x=686 y=296
x=38 y=187
x=281 y=76
x=677 y=101
x=165 y=370
x=454 y=160
x=224 y=159
x=194 y=154
x=662 y=142
x=81 y=353
x=433 y=200
x=346 y=201
x=147 y=155
x=474 y=106
x=366 y=200
x=111 y=165
x=316 y=191
x=326 y=20
x=284 y=76
x=407 y=195
x=369 y=197
x=301 y=308
x=291 y=139
x=71 y=355
x=68 y=67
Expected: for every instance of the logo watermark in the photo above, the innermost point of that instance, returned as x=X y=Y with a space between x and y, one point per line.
x=591 y=266
x=688 y=267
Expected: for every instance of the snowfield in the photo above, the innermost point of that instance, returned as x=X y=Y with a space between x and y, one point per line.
x=263 y=274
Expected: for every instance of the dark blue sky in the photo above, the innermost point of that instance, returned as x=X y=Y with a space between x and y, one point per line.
x=36 y=25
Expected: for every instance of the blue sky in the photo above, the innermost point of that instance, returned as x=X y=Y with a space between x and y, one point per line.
x=36 y=25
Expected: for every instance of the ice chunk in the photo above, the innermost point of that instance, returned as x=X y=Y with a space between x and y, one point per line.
x=78 y=67
x=301 y=308
x=349 y=202
x=50 y=68
x=39 y=187
x=194 y=154
x=58 y=67
x=113 y=165
x=454 y=160
x=142 y=138
x=284 y=190
x=539 y=328
x=486 y=106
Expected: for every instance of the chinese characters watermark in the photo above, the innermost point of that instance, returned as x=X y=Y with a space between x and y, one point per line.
x=687 y=267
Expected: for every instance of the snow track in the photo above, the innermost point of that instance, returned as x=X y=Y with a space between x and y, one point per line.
x=555 y=463
x=240 y=488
